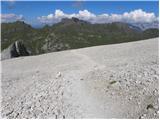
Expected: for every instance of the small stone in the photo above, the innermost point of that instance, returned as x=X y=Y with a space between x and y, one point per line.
x=155 y=91
x=106 y=90
x=156 y=106
x=112 y=82
x=136 y=82
x=144 y=89
x=81 y=79
x=28 y=107
x=150 y=106
x=56 y=116
x=58 y=75
x=145 y=73
x=95 y=66
x=120 y=81
x=16 y=115
x=155 y=114
x=141 y=83
x=9 y=112
x=130 y=98
x=112 y=93
x=141 y=117
x=144 y=115
x=139 y=103
x=111 y=75
x=56 y=92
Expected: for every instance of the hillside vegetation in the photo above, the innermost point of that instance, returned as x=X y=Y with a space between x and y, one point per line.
x=71 y=34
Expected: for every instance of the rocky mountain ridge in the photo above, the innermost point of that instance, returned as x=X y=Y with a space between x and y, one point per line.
x=71 y=34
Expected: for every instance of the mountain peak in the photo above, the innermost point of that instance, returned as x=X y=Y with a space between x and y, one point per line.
x=72 y=20
x=75 y=19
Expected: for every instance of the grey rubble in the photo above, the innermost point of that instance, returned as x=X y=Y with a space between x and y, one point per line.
x=110 y=81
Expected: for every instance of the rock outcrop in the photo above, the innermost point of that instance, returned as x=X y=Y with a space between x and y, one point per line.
x=14 y=50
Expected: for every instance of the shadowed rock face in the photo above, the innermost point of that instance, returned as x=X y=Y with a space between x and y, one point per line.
x=73 y=20
x=15 y=50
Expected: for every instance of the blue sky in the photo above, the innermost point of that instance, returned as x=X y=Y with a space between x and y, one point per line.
x=33 y=9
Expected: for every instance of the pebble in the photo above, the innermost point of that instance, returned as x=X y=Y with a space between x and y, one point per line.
x=58 y=75
x=155 y=91
x=81 y=79
x=9 y=112
x=155 y=114
x=139 y=103
x=95 y=66
x=56 y=116
x=112 y=93
x=156 y=107
x=144 y=115
x=145 y=74
x=130 y=98
x=141 y=117
x=144 y=89
x=136 y=81
x=56 y=92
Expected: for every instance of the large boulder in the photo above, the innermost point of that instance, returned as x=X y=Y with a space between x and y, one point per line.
x=14 y=50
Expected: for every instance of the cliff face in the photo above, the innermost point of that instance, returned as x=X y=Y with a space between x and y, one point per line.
x=15 y=50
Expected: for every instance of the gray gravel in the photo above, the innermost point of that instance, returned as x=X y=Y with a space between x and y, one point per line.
x=110 y=81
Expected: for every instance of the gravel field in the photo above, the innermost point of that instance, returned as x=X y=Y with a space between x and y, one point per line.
x=110 y=81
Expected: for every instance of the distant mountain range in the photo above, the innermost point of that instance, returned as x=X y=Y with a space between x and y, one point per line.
x=144 y=26
x=71 y=34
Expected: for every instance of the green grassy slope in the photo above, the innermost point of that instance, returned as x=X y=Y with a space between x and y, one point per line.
x=71 y=34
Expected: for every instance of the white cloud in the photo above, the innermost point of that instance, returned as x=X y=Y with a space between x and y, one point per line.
x=59 y=13
x=139 y=16
x=11 y=17
x=136 y=16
